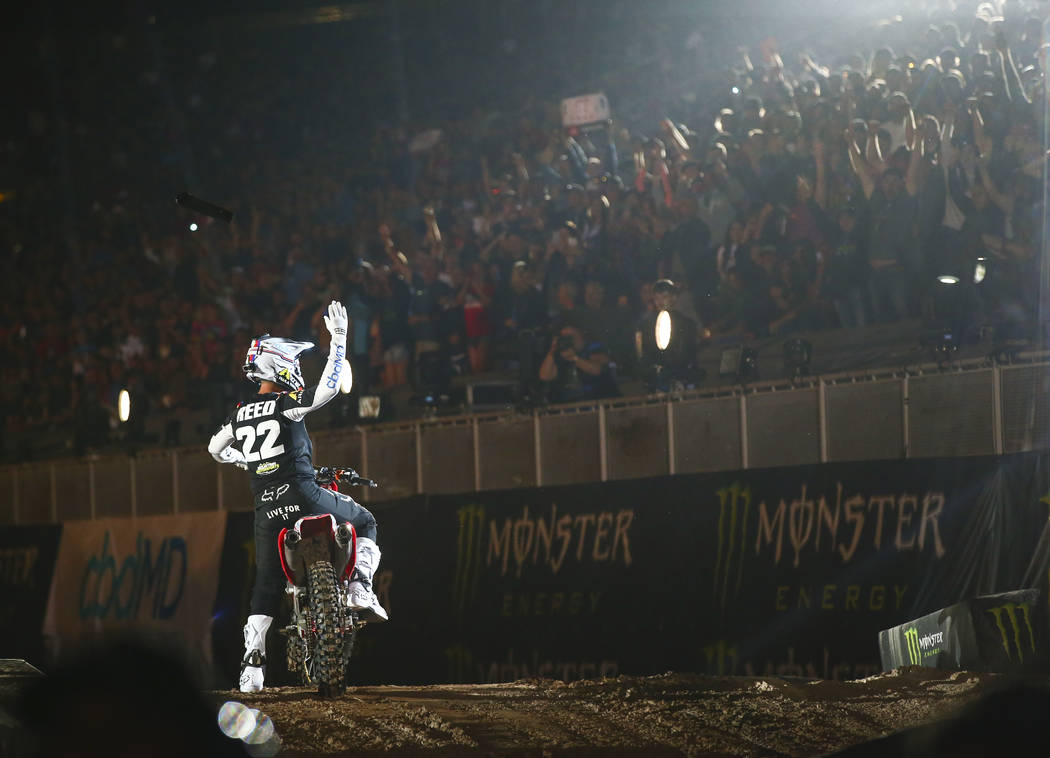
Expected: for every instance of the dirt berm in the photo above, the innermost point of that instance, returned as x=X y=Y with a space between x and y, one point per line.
x=672 y=714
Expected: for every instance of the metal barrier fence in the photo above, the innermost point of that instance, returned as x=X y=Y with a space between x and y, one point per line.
x=969 y=409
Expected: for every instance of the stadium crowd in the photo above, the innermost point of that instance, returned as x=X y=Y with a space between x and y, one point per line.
x=782 y=190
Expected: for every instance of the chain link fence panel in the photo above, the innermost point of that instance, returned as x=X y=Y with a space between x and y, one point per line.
x=865 y=421
x=8 y=514
x=948 y=414
x=34 y=494
x=448 y=458
x=73 y=487
x=154 y=494
x=236 y=494
x=636 y=441
x=198 y=482
x=783 y=428
x=340 y=449
x=113 y=487
x=951 y=414
x=569 y=448
x=507 y=452
x=1026 y=416
x=707 y=435
x=392 y=463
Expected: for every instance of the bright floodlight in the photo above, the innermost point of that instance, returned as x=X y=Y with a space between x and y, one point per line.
x=979 y=271
x=193 y=227
x=124 y=405
x=347 y=382
x=948 y=279
x=663 y=330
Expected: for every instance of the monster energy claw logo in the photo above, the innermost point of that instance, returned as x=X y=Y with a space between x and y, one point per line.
x=734 y=506
x=911 y=637
x=468 y=555
x=1013 y=634
x=926 y=646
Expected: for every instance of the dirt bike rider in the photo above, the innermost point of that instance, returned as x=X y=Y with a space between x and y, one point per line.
x=267 y=437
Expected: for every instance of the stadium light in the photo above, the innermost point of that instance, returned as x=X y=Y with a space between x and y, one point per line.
x=948 y=279
x=740 y=363
x=797 y=355
x=347 y=382
x=979 y=271
x=663 y=330
x=124 y=405
x=368 y=406
x=193 y=227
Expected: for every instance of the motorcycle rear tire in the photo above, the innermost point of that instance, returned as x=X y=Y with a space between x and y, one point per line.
x=328 y=669
x=295 y=657
x=348 y=649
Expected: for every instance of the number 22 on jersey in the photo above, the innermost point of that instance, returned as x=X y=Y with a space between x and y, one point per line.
x=249 y=434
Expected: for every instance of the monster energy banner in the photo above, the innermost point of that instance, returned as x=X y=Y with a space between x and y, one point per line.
x=1002 y=632
x=790 y=571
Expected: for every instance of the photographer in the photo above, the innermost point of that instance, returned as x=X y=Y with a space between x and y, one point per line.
x=577 y=368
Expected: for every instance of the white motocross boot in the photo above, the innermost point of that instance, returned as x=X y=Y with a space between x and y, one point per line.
x=360 y=596
x=253 y=665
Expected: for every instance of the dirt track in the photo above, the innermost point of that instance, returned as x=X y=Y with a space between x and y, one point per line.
x=661 y=715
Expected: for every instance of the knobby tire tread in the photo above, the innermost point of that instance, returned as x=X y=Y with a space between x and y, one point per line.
x=327 y=610
x=295 y=657
x=348 y=649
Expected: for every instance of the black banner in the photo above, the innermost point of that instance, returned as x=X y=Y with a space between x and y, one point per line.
x=27 y=563
x=232 y=599
x=788 y=571
x=1005 y=632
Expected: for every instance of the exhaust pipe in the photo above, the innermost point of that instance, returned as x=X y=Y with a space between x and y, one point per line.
x=292 y=538
x=343 y=536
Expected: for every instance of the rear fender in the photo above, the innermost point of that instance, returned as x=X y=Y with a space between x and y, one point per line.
x=318 y=542
x=318 y=537
x=308 y=526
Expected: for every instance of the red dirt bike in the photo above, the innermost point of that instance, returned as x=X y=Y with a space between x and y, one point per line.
x=317 y=556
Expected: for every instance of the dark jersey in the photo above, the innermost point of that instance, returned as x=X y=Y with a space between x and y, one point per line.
x=275 y=444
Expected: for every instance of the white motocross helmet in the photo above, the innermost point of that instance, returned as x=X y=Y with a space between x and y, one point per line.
x=275 y=359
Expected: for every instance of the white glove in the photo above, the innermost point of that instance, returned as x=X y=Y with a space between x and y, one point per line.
x=233 y=455
x=336 y=321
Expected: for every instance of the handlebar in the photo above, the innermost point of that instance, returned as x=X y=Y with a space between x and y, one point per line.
x=325 y=475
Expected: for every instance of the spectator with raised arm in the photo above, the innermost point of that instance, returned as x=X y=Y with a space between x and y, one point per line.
x=889 y=212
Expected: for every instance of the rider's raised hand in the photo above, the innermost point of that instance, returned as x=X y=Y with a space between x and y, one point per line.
x=336 y=321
